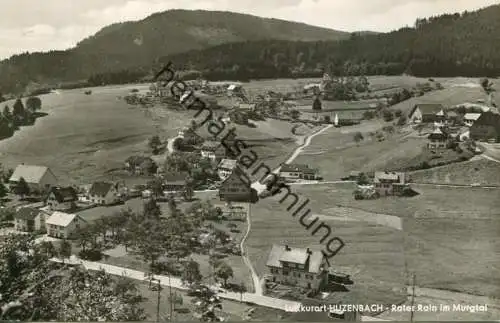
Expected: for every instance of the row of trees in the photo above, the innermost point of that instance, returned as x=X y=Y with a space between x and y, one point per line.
x=19 y=116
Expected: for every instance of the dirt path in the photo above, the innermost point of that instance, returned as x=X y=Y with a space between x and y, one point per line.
x=255 y=278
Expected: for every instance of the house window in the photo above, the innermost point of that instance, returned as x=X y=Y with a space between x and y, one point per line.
x=285 y=272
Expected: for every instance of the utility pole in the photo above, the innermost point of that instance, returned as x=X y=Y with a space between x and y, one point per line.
x=158 y=301
x=412 y=298
x=171 y=300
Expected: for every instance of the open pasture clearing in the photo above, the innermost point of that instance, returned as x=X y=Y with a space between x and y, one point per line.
x=340 y=154
x=373 y=254
x=449 y=234
x=83 y=136
x=452 y=94
x=482 y=171
x=335 y=153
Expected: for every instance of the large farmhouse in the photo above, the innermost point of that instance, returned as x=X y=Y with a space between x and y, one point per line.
x=297 y=266
x=38 y=178
x=427 y=113
x=486 y=127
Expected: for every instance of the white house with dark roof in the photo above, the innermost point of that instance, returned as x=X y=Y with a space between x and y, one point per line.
x=226 y=167
x=104 y=193
x=301 y=267
x=38 y=178
x=63 y=225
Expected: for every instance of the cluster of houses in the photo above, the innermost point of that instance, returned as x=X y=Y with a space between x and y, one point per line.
x=55 y=216
x=448 y=124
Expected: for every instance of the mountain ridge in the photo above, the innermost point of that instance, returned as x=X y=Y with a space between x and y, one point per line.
x=134 y=44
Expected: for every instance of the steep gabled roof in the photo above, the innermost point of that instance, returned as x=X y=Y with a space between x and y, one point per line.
x=472 y=116
x=302 y=256
x=228 y=163
x=31 y=173
x=488 y=119
x=61 y=219
x=428 y=108
x=211 y=145
x=27 y=213
x=388 y=176
x=100 y=188
x=64 y=194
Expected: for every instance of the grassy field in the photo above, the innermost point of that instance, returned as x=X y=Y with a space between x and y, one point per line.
x=449 y=238
x=482 y=171
x=373 y=254
x=84 y=136
x=335 y=153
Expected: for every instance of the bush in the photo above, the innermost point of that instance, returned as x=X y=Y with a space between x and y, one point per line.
x=398 y=113
x=425 y=165
x=387 y=115
x=368 y=115
x=92 y=254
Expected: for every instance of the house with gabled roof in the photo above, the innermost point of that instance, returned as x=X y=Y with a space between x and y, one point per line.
x=63 y=225
x=236 y=187
x=427 y=113
x=29 y=219
x=470 y=118
x=175 y=182
x=226 y=167
x=438 y=139
x=292 y=172
x=486 y=127
x=61 y=198
x=140 y=165
x=300 y=267
x=214 y=150
x=38 y=178
x=104 y=193
x=390 y=183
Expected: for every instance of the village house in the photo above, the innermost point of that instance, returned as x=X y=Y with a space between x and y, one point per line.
x=236 y=187
x=486 y=127
x=390 y=183
x=226 y=167
x=38 y=178
x=427 y=113
x=175 y=182
x=140 y=165
x=297 y=267
x=437 y=140
x=104 y=193
x=28 y=219
x=234 y=89
x=213 y=150
x=61 y=198
x=63 y=225
x=292 y=172
x=470 y=118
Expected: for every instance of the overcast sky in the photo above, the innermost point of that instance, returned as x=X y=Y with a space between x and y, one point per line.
x=35 y=25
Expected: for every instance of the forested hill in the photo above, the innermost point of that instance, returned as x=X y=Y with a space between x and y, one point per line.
x=137 y=45
x=466 y=44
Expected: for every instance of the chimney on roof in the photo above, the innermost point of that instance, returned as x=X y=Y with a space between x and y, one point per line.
x=309 y=252
x=287 y=248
